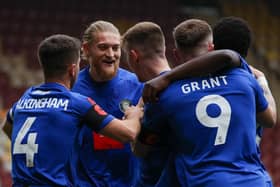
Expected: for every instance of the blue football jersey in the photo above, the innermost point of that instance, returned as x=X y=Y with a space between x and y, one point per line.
x=212 y=125
x=98 y=160
x=45 y=120
x=151 y=166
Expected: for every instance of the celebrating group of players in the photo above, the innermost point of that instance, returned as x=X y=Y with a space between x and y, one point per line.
x=197 y=126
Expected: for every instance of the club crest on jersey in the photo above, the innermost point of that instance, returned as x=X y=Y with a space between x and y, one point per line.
x=124 y=104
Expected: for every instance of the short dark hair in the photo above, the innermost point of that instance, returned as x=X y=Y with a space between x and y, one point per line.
x=232 y=33
x=190 y=33
x=56 y=53
x=147 y=37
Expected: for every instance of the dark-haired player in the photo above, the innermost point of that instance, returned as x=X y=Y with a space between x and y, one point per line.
x=226 y=33
x=42 y=124
x=176 y=113
x=235 y=33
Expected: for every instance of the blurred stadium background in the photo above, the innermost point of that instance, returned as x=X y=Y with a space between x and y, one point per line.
x=23 y=24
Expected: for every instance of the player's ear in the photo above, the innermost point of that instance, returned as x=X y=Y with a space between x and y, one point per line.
x=134 y=56
x=72 y=70
x=85 y=49
x=210 y=47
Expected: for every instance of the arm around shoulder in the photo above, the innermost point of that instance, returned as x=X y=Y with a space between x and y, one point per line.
x=211 y=62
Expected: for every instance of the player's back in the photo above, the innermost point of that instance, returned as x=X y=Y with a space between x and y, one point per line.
x=213 y=129
x=45 y=121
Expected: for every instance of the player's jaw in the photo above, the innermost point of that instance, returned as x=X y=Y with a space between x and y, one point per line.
x=106 y=68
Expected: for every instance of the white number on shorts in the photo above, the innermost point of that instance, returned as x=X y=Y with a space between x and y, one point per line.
x=30 y=148
x=221 y=122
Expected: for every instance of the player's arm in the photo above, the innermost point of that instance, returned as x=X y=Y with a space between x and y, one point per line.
x=125 y=130
x=203 y=65
x=145 y=143
x=141 y=150
x=211 y=62
x=268 y=117
x=153 y=135
x=122 y=130
x=7 y=123
x=7 y=127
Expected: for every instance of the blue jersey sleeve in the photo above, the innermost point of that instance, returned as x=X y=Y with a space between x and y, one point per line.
x=96 y=117
x=10 y=114
x=92 y=114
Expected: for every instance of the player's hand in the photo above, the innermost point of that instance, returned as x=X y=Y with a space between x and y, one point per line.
x=153 y=87
x=134 y=112
x=140 y=102
x=261 y=79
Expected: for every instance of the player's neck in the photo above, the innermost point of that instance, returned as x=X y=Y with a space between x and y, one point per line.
x=58 y=81
x=155 y=67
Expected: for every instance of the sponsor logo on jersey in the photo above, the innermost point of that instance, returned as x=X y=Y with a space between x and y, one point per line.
x=101 y=142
